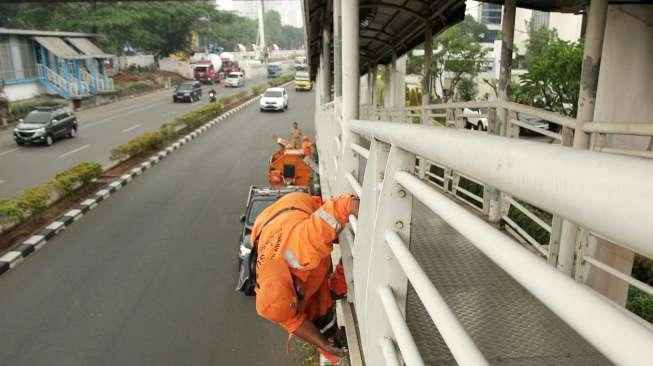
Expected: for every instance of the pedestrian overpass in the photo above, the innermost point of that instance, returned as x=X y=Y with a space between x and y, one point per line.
x=439 y=269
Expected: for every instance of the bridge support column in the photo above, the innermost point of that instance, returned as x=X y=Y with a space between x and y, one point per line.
x=508 y=35
x=593 y=48
x=350 y=91
x=426 y=80
x=326 y=66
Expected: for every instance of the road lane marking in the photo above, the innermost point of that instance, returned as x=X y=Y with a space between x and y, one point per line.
x=9 y=151
x=74 y=151
x=119 y=115
x=131 y=128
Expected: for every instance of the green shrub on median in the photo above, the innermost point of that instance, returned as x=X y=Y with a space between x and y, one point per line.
x=137 y=146
x=199 y=116
x=10 y=211
x=34 y=201
x=259 y=89
x=281 y=80
x=65 y=182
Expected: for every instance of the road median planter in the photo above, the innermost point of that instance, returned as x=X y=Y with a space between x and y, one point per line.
x=74 y=192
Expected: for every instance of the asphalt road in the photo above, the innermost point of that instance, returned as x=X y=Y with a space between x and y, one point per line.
x=101 y=129
x=147 y=278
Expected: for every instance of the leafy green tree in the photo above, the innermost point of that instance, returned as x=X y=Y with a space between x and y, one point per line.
x=466 y=90
x=284 y=36
x=553 y=78
x=539 y=39
x=156 y=27
x=458 y=55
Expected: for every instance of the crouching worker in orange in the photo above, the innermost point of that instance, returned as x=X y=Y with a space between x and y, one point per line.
x=295 y=237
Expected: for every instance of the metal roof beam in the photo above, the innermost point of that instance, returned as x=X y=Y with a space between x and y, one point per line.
x=398 y=8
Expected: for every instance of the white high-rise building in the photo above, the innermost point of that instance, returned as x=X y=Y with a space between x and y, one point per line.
x=290 y=10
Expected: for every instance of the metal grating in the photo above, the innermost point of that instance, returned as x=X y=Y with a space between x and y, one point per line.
x=508 y=324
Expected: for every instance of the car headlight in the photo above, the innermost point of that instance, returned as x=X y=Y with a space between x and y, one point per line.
x=39 y=131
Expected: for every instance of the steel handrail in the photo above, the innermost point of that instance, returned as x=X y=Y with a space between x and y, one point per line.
x=613 y=331
x=583 y=190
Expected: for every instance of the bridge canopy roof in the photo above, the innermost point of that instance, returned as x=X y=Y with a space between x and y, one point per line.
x=398 y=25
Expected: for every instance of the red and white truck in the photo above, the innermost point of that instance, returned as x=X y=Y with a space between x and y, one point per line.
x=229 y=64
x=206 y=67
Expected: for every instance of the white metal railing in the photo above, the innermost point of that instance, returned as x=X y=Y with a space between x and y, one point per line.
x=560 y=131
x=580 y=190
x=73 y=87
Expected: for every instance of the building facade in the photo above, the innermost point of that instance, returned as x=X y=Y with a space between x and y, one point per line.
x=67 y=64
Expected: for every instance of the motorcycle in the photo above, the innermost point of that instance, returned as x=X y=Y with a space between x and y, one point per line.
x=212 y=97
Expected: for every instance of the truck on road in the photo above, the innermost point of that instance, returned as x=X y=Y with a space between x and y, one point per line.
x=274 y=69
x=206 y=67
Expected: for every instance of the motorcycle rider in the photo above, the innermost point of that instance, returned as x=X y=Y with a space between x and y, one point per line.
x=212 y=95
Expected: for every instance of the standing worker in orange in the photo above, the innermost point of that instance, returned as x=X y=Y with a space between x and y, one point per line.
x=294 y=238
x=296 y=136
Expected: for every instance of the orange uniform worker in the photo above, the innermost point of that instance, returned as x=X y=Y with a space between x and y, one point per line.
x=307 y=146
x=295 y=239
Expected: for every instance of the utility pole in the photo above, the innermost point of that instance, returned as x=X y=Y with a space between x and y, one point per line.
x=261 y=32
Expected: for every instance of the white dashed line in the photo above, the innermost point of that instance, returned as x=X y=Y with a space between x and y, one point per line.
x=74 y=151
x=131 y=128
x=9 y=151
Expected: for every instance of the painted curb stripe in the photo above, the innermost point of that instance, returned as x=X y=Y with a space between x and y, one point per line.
x=25 y=250
x=12 y=257
x=36 y=240
x=4 y=267
x=66 y=220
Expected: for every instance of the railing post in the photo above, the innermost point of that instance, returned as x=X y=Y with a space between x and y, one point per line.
x=426 y=80
x=373 y=177
x=393 y=212
x=326 y=67
x=507 y=34
x=337 y=50
x=350 y=89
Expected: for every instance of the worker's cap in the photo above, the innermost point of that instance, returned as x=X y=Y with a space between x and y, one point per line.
x=275 y=298
x=306 y=138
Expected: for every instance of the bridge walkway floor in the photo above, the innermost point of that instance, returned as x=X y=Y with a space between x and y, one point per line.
x=507 y=323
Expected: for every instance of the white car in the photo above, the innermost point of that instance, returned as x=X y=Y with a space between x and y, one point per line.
x=475 y=123
x=274 y=99
x=234 y=80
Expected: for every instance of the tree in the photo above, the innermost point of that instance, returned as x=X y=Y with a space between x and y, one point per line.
x=459 y=54
x=284 y=36
x=539 y=38
x=553 y=78
x=466 y=90
x=156 y=27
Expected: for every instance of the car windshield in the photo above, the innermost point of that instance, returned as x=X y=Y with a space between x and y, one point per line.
x=38 y=117
x=301 y=76
x=185 y=87
x=272 y=94
x=232 y=76
x=255 y=209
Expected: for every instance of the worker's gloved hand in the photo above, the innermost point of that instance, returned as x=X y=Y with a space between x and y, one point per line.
x=336 y=351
